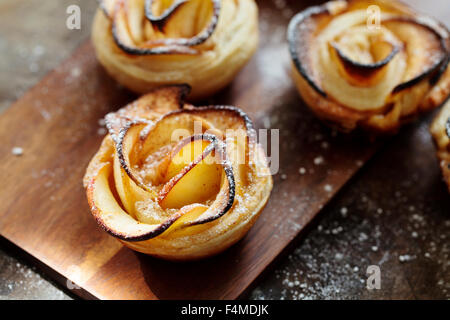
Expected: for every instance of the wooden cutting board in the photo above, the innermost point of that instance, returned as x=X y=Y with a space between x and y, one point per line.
x=43 y=208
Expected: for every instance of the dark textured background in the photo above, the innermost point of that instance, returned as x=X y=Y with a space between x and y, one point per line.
x=394 y=213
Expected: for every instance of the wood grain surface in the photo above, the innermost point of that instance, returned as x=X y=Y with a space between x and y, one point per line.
x=43 y=208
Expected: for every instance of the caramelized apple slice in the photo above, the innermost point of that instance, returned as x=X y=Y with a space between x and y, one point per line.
x=224 y=118
x=149 y=107
x=137 y=140
x=127 y=148
x=114 y=220
x=129 y=16
x=108 y=7
x=170 y=129
x=188 y=214
x=196 y=183
x=140 y=139
x=109 y=214
x=425 y=42
x=165 y=10
x=362 y=63
x=426 y=48
x=185 y=153
x=225 y=198
x=128 y=191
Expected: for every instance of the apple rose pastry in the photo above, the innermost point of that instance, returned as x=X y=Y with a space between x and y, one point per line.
x=147 y=43
x=175 y=181
x=374 y=64
x=440 y=129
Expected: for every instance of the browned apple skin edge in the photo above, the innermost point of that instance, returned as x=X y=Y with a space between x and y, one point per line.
x=228 y=172
x=369 y=68
x=293 y=37
x=197 y=110
x=95 y=212
x=168 y=222
x=161 y=21
x=439 y=67
x=166 y=46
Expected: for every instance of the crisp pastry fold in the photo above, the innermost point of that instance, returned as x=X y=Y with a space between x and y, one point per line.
x=175 y=181
x=354 y=73
x=144 y=44
x=440 y=129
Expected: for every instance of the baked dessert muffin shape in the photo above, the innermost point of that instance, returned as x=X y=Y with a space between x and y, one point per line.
x=144 y=44
x=175 y=181
x=440 y=130
x=356 y=75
